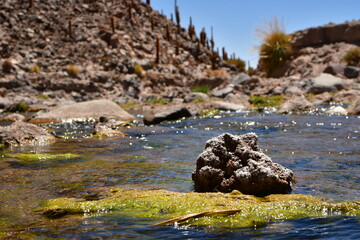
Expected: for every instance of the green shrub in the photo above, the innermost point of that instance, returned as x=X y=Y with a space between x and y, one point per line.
x=266 y=101
x=240 y=64
x=352 y=56
x=158 y=101
x=251 y=71
x=19 y=107
x=201 y=88
x=42 y=96
x=276 y=46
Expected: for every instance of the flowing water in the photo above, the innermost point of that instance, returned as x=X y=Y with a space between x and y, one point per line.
x=323 y=152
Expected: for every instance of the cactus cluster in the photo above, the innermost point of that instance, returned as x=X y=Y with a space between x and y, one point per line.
x=7 y=66
x=203 y=37
x=191 y=29
x=113 y=23
x=70 y=28
x=177 y=15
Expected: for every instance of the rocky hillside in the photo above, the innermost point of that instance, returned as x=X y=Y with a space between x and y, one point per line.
x=318 y=51
x=53 y=52
x=81 y=50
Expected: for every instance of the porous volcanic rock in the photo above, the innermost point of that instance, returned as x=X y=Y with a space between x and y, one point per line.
x=235 y=162
x=21 y=133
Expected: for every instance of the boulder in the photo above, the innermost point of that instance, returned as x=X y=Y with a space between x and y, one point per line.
x=351 y=72
x=295 y=104
x=235 y=162
x=86 y=111
x=5 y=103
x=221 y=93
x=242 y=78
x=334 y=69
x=227 y=106
x=195 y=96
x=108 y=127
x=21 y=133
x=325 y=83
x=166 y=113
x=354 y=107
x=13 y=117
x=293 y=91
x=338 y=110
x=238 y=98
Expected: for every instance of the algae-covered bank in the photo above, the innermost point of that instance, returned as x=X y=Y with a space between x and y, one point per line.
x=108 y=188
x=222 y=210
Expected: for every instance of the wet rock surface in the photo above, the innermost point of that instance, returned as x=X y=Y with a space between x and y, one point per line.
x=354 y=108
x=166 y=113
x=295 y=104
x=231 y=162
x=87 y=110
x=21 y=133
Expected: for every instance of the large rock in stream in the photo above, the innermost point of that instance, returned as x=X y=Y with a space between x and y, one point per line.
x=85 y=111
x=166 y=113
x=231 y=162
x=21 y=133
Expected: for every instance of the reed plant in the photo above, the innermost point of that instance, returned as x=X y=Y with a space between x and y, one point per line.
x=276 y=45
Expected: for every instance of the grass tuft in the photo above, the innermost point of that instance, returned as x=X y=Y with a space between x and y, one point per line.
x=201 y=88
x=276 y=45
x=240 y=64
x=35 y=69
x=72 y=70
x=352 y=56
x=139 y=70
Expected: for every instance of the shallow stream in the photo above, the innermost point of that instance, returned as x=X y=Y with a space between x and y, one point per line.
x=323 y=152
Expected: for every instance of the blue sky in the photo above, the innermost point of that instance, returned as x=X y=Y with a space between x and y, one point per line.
x=234 y=21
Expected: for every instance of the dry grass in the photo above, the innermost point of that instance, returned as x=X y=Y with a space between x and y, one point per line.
x=352 y=56
x=218 y=73
x=276 y=45
x=72 y=70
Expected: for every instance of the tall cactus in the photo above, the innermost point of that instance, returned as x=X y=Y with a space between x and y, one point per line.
x=157 y=61
x=168 y=32
x=113 y=23
x=203 y=37
x=177 y=14
x=129 y=5
x=224 y=54
x=70 y=28
x=152 y=22
x=191 y=29
x=212 y=39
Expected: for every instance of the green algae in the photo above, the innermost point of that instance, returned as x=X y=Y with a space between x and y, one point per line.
x=43 y=157
x=266 y=101
x=162 y=204
x=209 y=113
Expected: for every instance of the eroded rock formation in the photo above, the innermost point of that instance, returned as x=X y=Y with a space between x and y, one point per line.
x=230 y=162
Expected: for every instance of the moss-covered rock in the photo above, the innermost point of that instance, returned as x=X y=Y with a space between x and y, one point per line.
x=43 y=157
x=161 y=204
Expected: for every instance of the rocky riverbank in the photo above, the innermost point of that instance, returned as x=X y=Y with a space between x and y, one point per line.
x=54 y=54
